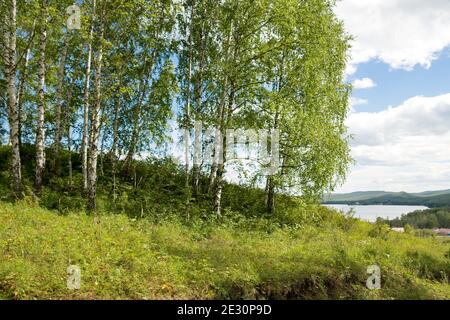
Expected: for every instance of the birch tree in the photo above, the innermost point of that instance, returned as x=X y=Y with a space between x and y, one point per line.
x=86 y=101
x=9 y=26
x=40 y=130
x=95 y=120
x=59 y=97
x=306 y=98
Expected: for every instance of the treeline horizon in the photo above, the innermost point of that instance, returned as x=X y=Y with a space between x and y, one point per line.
x=423 y=219
x=107 y=77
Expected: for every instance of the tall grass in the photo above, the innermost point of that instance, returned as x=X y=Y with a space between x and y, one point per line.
x=323 y=257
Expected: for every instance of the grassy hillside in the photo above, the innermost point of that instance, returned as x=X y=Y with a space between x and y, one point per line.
x=232 y=258
x=156 y=242
x=153 y=188
x=430 y=199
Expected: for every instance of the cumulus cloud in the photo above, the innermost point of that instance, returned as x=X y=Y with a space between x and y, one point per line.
x=403 y=148
x=401 y=33
x=364 y=83
x=354 y=101
x=411 y=178
x=417 y=116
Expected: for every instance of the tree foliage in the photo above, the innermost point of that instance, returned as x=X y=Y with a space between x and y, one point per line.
x=136 y=69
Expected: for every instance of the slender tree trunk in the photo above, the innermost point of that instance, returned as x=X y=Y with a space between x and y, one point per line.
x=196 y=160
x=219 y=152
x=95 y=132
x=143 y=87
x=59 y=98
x=40 y=130
x=221 y=165
x=219 y=188
x=212 y=176
x=187 y=111
x=13 y=116
x=67 y=123
x=101 y=154
x=270 y=195
x=21 y=89
x=136 y=126
x=223 y=119
x=69 y=147
x=117 y=106
x=84 y=140
x=270 y=182
x=196 y=167
x=114 y=145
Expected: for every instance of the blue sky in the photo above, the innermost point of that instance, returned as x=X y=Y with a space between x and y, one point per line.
x=393 y=86
x=400 y=114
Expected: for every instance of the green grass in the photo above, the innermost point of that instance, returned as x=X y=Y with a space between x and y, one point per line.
x=124 y=258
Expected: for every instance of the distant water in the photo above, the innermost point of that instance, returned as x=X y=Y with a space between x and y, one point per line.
x=371 y=213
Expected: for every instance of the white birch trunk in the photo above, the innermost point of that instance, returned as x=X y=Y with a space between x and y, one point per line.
x=95 y=133
x=84 y=140
x=40 y=130
x=13 y=116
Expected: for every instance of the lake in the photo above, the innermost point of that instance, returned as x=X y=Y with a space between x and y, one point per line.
x=372 y=212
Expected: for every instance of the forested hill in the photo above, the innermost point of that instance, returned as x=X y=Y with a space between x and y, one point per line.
x=432 y=199
x=424 y=219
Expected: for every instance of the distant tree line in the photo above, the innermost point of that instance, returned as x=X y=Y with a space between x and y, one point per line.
x=424 y=219
x=399 y=199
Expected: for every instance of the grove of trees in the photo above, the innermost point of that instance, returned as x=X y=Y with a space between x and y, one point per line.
x=423 y=219
x=115 y=86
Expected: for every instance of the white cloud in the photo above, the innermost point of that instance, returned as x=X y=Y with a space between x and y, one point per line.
x=350 y=69
x=401 y=33
x=405 y=148
x=354 y=101
x=364 y=83
x=417 y=116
